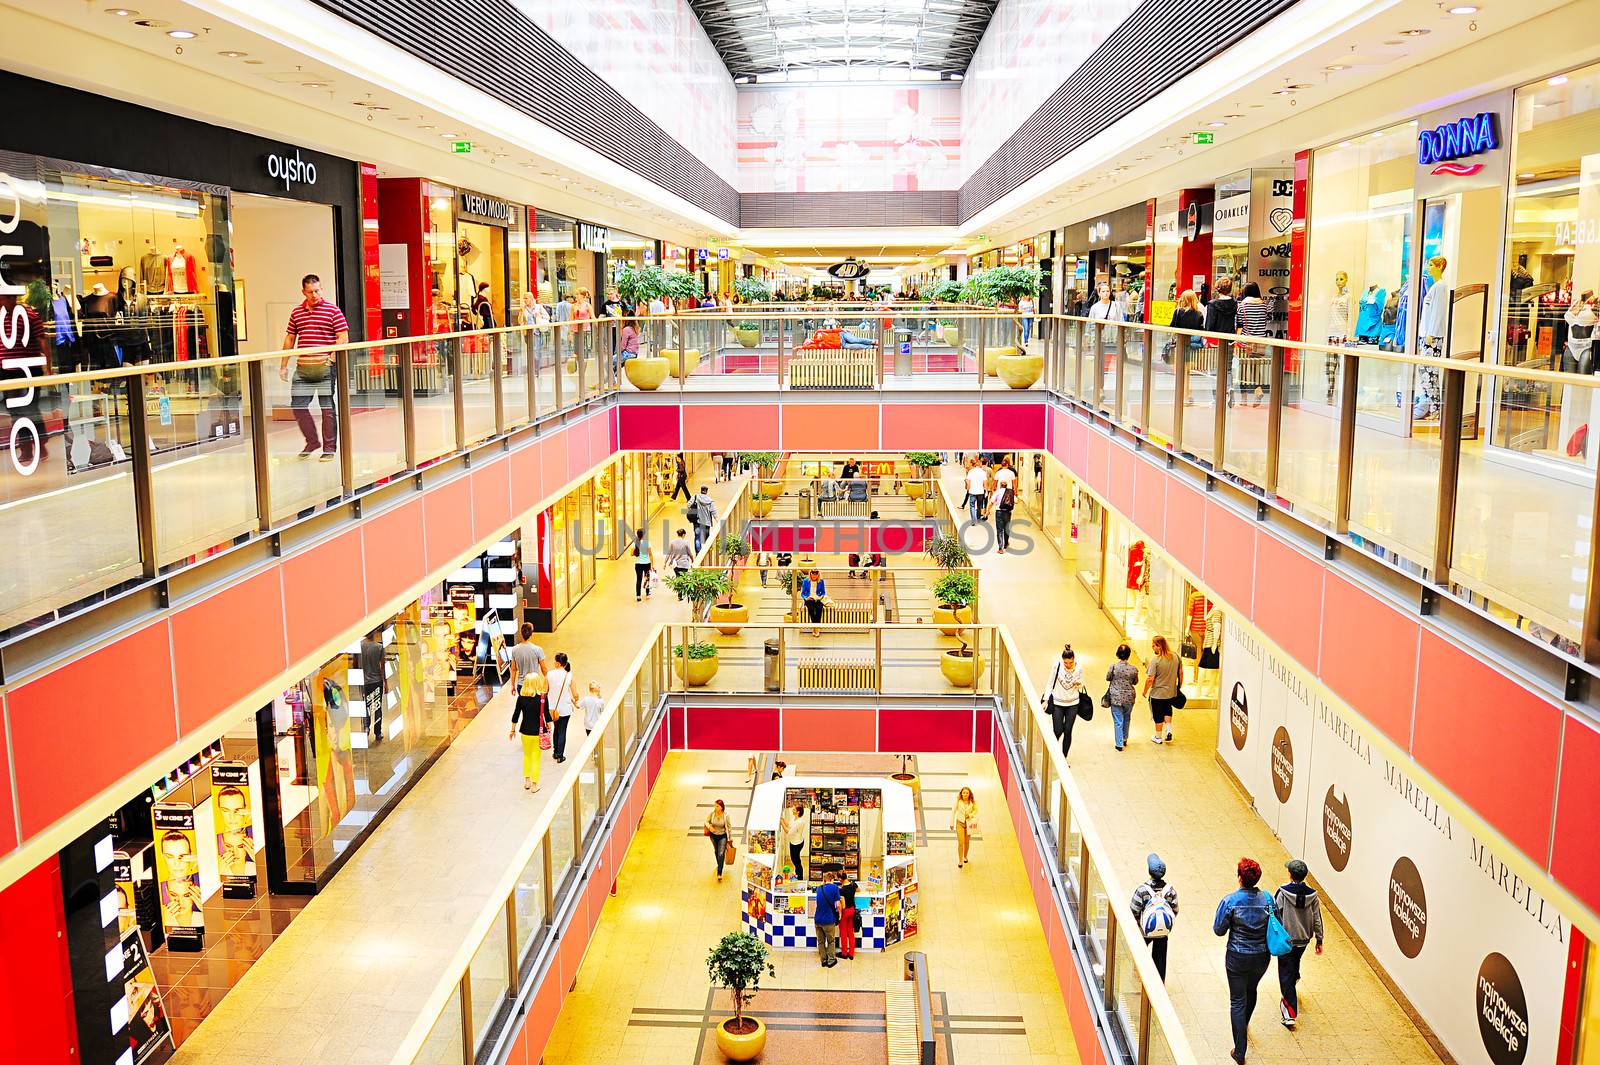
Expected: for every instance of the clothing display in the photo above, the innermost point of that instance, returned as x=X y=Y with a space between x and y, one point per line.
x=1435 y=308
x=181 y=273
x=1339 y=317
x=1138 y=567
x=1369 y=314
x=153 y=272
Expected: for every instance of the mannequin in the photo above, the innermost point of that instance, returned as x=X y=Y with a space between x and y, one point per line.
x=1339 y=309
x=1138 y=567
x=1369 y=314
x=1430 y=334
x=180 y=272
x=153 y=272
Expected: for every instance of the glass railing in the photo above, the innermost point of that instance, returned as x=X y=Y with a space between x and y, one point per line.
x=517 y=930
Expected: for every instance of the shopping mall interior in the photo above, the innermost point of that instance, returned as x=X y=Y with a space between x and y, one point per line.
x=870 y=531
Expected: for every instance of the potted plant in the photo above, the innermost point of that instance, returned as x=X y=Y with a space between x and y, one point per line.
x=747 y=333
x=695 y=662
x=961 y=665
x=679 y=286
x=1007 y=285
x=751 y=290
x=737 y=963
x=729 y=617
x=954 y=599
x=921 y=463
x=764 y=463
x=787 y=576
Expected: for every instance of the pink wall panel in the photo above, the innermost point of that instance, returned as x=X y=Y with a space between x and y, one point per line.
x=1013 y=425
x=527 y=477
x=242 y=626
x=728 y=426
x=1574 y=859
x=930 y=427
x=553 y=461
x=77 y=729
x=728 y=728
x=784 y=537
x=1150 y=498
x=1077 y=445
x=1488 y=739
x=491 y=496
x=577 y=437
x=1369 y=654
x=1094 y=463
x=924 y=730
x=828 y=729
x=1288 y=597
x=600 y=436
x=1119 y=479
x=447 y=509
x=1186 y=525
x=391 y=550
x=649 y=427
x=1230 y=556
x=323 y=592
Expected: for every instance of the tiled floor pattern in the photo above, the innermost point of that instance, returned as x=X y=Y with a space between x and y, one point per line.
x=985 y=948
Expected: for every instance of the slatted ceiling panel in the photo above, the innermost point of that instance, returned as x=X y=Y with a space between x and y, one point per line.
x=493 y=47
x=1161 y=42
x=822 y=209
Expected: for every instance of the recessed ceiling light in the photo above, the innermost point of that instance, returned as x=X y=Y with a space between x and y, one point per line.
x=1232 y=116
x=1280 y=92
x=1526 y=177
x=1297 y=86
x=151 y=23
x=230 y=54
x=1216 y=125
x=1541 y=106
x=1559 y=79
x=1377 y=133
x=448 y=136
x=424 y=127
x=255 y=62
x=1334 y=68
x=182 y=35
x=121 y=12
x=1415 y=33
x=1463 y=9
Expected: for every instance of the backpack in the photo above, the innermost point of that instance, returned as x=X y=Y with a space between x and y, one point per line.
x=1156 y=920
x=1277 y=938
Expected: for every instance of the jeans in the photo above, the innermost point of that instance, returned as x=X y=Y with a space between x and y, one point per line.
x=559 y=742
x=850 y=340
x=1027 y=329
x=1158 y=955
x=1244 y=973
x=301 y=393
x=1063 y=716
x=1119 y=723
x=794 y=859
x=1289 y=975
x=828 y=943
x=641 y=578
x=680 y=485
x=1002 y=528
x=719 y=844
x=975 y=502
x=700 y=536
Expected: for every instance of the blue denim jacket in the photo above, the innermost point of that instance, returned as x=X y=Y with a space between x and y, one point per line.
x=1242 y=917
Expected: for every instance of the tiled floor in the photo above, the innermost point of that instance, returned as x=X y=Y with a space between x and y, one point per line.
x=985 y=948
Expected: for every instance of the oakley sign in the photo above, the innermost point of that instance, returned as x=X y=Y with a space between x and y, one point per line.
x=1465 y=137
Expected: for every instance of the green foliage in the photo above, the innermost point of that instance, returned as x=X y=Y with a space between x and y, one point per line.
x=922 y=460
x=737 y=963
x=681 y=286
x=641 y=284
x=820 y=293
x=699 y=586
x=786 y=578
x=946 y=291
x=1002 y=284
x=948 y=552
x=955 y=590
x=751 y=290
x=765 y=461
x=747 y=327
x=697 y=651
x=733 y=545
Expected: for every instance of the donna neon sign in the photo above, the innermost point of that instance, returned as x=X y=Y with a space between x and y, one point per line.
x=1443 y=145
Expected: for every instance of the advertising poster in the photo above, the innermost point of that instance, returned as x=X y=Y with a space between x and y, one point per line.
x=1478 y=951
x=122 y=876
x=178 y=875
x=235 y=830
x=149 y=1035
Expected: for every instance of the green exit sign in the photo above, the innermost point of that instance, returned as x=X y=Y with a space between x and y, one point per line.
x=1203 y=138
x=463 y=147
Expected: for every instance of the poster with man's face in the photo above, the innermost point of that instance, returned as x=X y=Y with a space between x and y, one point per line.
x=235 y=830
x=178 y=874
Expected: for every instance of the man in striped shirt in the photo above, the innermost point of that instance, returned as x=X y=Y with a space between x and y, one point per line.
x=315 y=323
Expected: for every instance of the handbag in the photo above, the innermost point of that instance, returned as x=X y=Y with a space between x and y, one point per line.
x=1086 y=706
x=1209 y=659
x=1105 y=700
x=1187 y=648
x=312 y=372
x=729 y=853
x=1277 y=939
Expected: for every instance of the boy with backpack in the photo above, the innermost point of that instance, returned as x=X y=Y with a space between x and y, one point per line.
x=1155 y=908
x=1299 y=907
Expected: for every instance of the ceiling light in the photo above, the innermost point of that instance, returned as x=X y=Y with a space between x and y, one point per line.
x=1232 y=116
x=182 y=35
x=121 y=12
x=1527 y=177
x=424 y=127
x=1559 y=79
x=1415 y=33
x=316 y=85
x=255 y=62
x=448 y=136
x=1216 y=125
x=1463 y=9
x=152 y=23
x=1297 y=86
x=1334 y=68
x=1541 y=106
x=230 y=54
x=1344 y=144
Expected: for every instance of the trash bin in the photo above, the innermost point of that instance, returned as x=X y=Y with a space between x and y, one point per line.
x=902 y=353
x=774 y=667
x=805 y=502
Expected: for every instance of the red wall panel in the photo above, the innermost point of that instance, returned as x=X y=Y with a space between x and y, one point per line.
x=1094 y=462
x=1488 y=739
x=76 y=730
x=491 y=496
x=8 y=812
x=726 y=728
x=924 y=730
x=447 y=510
x=224 y=644
x=1230 y=556
x=1288 y=598
x=1013 y=425
x=829 y=729
x=1150 y=498
x=38 y=1024
x=649 y=427
x=1369 y=658
x=1574 y=859
x=729 y=426
x=391 y=547
x=930 y=427
x=323 y=591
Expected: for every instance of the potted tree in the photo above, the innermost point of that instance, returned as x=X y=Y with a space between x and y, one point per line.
x=1007 y=285
x=922 y=462
x=764 y=462
x=696 y=661
x=737 y=963
x=729 y=617
x=750 y=290
x=679 y=287
x=948 y=553
x=638 y=285
x=949 y=328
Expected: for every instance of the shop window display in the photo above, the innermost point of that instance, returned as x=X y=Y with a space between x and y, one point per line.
x=1089 y=520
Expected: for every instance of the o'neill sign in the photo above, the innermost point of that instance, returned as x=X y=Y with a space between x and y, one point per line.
x=1445 y=145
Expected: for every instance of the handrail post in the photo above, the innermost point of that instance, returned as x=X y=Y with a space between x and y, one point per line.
x=468 y=1051
x=1180 y=389
x=1121 y=370
x=531 y=361
x=458 y=390
x=1219 y=437
x=342 y=421
x=783 y=347
x=1148 y=350
x=1077 y=358
x=256 y=387
x=497 y=362
x=406 y=376
x=556 y=363
x=1275 y=378
x=1097 y=371
x=1344 y=460
x=144 y=511
x=1453 y=387
x=877 y=656
x=983 y=336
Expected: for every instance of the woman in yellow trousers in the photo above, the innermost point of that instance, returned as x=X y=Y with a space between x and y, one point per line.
x=528 y=719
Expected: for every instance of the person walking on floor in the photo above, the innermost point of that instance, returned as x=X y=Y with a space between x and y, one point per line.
x=681 y=478
x=964 y=819
x=593 y=705
x=1163 y=679
x=1299 y=907
x=730 y=463
x=847 y=917
x=641 y=566
x=1242 y=917
x=703 y=512
x=527 y=716
x=314 y=323
x=830 y=905
x=814 y=594
x=561 y=703
x=763 y=564
x=793 y=826
x=1005 y=500
x=680 y=554
x=977 y=489
x=1063 y=697
x=1122 y=677
x=717 y=830
x=1155 y=908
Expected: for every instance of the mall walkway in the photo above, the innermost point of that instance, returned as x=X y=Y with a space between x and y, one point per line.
x=642 y=994
x=1178 y=802
x=347 y=980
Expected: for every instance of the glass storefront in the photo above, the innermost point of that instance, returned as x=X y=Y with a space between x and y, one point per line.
x=439 y=247
x=1164 y=287
x=562 y=270
x=626 y=248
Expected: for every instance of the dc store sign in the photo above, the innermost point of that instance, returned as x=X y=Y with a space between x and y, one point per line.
x=291 y=170
x=1441 y=146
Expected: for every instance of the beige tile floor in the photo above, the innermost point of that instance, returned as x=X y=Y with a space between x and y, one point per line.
x=1178 y=802
x=979 y=929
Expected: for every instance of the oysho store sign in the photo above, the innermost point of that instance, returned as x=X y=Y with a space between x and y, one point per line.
x=17 y=340
x=291 y=170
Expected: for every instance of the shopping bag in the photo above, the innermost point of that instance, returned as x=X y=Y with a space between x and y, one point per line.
x=729 y=852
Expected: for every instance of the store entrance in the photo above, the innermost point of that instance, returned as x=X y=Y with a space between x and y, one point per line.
x=1456 y=270
x=275 y=243
x=481 y=260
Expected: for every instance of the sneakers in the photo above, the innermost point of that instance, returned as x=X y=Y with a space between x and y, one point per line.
x=328 y=456
x=310 y=450
x=1167 y=736
x=1286 y=1012
x=1156 y=738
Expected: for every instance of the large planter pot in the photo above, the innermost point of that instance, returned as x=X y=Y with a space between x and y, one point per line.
x=926 y=507
x=951 y=334
x=949 y=618
x=729 y=619
x=760 y=506
x=646 y=373
x=747 y=337
x=1021 y=371
x=916 y=489
x=959 y=668
x=744 y=1047
x=681 y=363
x=992 y=357
x=701 y=670
x=770 y=489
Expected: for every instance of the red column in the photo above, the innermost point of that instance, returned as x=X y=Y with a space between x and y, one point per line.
x=38 y=1022
x=401 y=220
x=1194 y=253
x=1297 y=246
